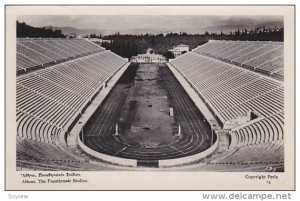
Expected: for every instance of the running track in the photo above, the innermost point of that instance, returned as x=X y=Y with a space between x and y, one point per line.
x=196 y=134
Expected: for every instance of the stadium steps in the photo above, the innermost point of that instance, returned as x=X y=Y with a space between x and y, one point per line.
x=256 y=56
x=47 y=105
x=38 y=53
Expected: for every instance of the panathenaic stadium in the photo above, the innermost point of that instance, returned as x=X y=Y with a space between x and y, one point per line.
x=219 y=107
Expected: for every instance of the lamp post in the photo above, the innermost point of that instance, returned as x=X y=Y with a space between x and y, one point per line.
x=117 y=128
x=179 y=131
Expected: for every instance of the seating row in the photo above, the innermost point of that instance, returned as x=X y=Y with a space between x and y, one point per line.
x=265 y=56
x=49 y=99
x=39 y=52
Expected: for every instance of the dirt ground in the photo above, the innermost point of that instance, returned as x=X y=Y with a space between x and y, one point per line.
x=145 y=119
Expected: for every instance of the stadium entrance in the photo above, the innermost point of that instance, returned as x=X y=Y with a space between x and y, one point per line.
x=147 y=163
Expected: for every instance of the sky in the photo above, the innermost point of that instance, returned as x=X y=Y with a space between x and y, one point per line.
x=153 y=24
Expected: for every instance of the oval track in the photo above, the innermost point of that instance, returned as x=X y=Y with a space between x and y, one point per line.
x=196 y=134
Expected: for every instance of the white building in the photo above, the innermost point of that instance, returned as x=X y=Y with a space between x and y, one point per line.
x=179 y=50
x=99 y=40
x=149 y=57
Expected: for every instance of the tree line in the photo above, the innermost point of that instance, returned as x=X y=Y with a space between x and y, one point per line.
x=130 y=45
x=123 y=47
x=24 y=30
x=257 y=34
x=127 y=45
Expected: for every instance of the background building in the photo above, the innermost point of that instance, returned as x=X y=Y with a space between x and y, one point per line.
x=179 y=50
x=149 y=57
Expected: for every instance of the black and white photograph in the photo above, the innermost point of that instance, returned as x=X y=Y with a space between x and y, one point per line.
x=151 y=92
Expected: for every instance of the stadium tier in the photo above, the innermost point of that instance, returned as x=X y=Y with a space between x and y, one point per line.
x=35 y=53
x=229 y=90
x=268 y=153
x=36 y=155
x=264 y=57
x=232 y=92
x=265 y=130
x=48 y=100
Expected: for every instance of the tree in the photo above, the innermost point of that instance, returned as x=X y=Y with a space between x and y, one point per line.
x=169 y=55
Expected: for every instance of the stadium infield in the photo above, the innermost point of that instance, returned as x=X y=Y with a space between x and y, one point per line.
x=139 y=104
